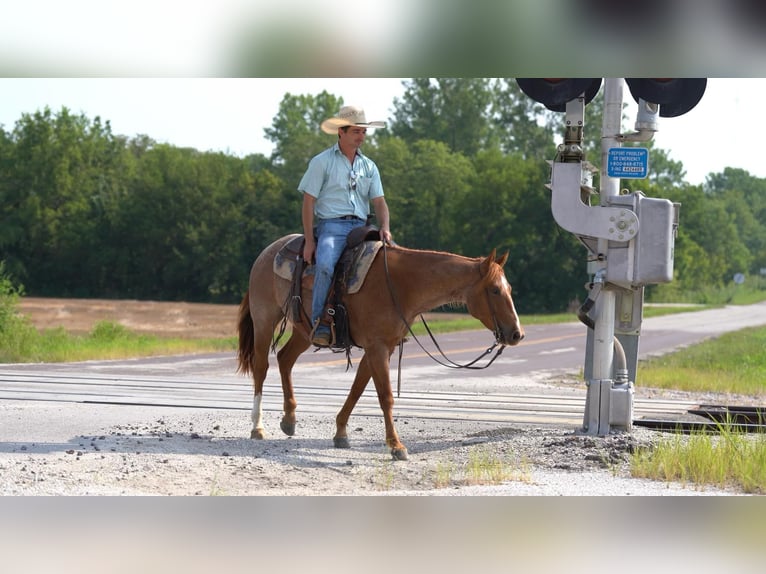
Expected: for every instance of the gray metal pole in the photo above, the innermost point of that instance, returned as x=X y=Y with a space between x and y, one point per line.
x=598 y=403
x=604 y=329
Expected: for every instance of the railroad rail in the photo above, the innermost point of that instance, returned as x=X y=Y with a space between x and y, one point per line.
x=546 y=406
x=712 y=419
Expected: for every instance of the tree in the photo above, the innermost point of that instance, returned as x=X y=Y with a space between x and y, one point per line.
x=60 y=172
x=424 y=183
x=296 y=134
x=526 y=127
x=454 y=111
x=708 y=250
x=508 y=208
x=745 y=197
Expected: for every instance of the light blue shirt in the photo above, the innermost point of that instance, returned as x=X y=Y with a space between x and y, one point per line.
x=340 y=188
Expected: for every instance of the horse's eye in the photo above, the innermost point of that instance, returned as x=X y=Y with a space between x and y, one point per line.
x=496 y=290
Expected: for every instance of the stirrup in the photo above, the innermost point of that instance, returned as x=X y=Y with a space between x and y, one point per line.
x=321 y=342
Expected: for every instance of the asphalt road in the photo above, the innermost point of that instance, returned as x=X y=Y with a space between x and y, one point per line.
x=509 y=391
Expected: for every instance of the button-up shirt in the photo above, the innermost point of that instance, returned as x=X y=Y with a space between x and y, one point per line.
x=340 y=187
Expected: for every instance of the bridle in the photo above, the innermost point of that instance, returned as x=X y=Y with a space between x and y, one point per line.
x=447 y=362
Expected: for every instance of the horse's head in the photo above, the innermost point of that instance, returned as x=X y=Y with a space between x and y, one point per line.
x=490 y=301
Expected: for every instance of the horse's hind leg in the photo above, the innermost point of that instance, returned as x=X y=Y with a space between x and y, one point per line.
x=260 y=366
x=363 y=374
x=286 y=358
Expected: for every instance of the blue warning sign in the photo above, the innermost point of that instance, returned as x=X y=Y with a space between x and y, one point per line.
x=628 y=162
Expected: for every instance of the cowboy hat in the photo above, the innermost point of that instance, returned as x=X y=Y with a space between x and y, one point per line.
x=349 y=116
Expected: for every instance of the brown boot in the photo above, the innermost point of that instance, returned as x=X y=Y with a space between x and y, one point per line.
x=321 y=335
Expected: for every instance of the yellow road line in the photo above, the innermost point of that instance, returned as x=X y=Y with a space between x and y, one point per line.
x=466 y=350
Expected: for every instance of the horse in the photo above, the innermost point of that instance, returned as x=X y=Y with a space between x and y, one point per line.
x=401 y=284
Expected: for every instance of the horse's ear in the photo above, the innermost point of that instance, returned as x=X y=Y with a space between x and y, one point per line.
x=485 y=265
x=502 y=259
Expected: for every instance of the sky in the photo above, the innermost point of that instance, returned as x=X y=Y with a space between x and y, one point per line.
x=230 y=114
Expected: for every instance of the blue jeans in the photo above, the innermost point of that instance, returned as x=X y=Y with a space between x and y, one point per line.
x=331 y=241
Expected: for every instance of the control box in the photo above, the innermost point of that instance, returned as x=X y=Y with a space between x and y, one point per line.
x=647 y=258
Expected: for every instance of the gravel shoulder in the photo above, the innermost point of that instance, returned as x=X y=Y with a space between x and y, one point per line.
x=204 y=452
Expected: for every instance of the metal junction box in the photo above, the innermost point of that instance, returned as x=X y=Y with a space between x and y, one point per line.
x=647 y=258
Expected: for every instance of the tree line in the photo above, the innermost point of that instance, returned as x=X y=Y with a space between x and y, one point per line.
x=85 y=212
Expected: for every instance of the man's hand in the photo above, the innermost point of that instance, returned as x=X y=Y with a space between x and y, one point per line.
x=309 y=250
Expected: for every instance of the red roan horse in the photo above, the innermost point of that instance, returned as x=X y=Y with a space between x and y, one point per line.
x=420 y=280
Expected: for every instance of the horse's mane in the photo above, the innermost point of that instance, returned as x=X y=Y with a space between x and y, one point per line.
x=457 y=304
x=431 y=252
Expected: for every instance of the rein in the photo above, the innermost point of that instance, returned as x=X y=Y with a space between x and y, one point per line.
x=447 y=361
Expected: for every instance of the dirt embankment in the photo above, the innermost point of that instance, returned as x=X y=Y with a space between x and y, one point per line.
x=160 y=318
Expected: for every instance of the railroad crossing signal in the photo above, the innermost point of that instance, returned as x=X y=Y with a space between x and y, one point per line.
x=554 y=93
x=674 y=96
x=630 y=236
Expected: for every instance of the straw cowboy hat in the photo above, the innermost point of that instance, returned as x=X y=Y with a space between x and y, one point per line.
x=349 y=116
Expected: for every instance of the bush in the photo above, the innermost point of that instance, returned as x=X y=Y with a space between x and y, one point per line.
x=9 y=296
x=16 y=333
x=107 y=332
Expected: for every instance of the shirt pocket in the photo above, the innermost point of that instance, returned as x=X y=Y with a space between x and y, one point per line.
x=363 y=185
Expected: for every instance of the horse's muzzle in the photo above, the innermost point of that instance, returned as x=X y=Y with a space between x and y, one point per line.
x=511 y=337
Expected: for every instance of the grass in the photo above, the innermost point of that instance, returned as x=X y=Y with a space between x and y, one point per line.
x=732 y=363
x=728 y=459
x=753 y=290
x=482 y=468
x=106 y=340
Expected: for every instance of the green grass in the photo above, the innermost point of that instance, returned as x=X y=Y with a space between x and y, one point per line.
x=727 y=459
x=106 y=340
x=753 y=290
x=482 y=468
x=732 y=363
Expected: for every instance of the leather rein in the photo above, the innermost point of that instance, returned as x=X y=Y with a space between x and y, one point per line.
x=447 y=362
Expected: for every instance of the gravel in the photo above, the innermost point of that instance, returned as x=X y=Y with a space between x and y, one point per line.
x=205 y=452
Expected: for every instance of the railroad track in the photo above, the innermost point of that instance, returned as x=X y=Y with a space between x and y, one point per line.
x=230 y=392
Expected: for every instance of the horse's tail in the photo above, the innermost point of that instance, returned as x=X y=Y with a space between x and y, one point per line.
x=246 y=353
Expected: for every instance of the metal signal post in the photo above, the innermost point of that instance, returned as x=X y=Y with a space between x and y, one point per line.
x=630 y=237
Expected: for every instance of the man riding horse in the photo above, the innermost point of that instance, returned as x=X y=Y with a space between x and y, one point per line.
x=337 y=188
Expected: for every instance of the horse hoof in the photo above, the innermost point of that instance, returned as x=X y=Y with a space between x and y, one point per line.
x=287 y=428
x=259 y=434
x=341 y=442
x=399 y=453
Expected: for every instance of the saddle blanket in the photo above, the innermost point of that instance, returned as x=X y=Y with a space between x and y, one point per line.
x=285 y=261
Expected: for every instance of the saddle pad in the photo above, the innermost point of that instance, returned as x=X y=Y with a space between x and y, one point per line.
x=285 y=261
x=361 y=265
x=287 y=257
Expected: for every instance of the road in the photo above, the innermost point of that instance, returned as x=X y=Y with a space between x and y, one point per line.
x=511 y=390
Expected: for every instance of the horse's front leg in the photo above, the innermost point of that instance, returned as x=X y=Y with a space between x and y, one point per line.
x=286 y=358
x=363 y=374
x=378 y=358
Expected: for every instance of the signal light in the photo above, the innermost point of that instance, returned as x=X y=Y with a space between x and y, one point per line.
x=554 y=93
x=674 y=96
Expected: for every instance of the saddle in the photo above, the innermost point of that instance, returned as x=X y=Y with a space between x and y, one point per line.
x=362 y=244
